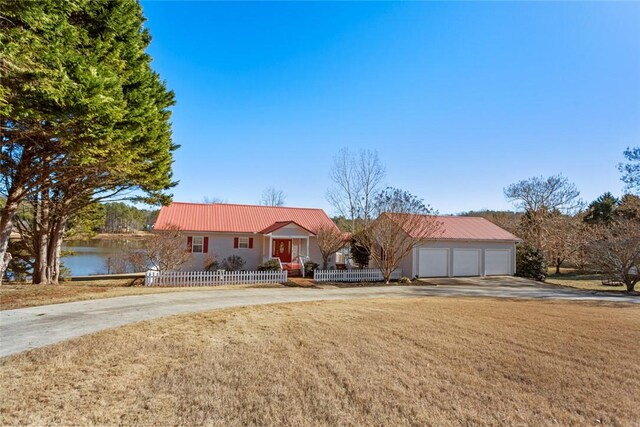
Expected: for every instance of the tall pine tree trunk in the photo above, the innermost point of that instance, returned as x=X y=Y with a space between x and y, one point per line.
x=56 y=234
x=41 y=240
x=7 y=214
x=40 y=233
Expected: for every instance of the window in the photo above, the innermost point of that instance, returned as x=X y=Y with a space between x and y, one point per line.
x=243 y=242
x=197 y=244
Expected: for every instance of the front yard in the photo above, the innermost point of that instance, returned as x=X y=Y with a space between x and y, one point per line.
x=432 y=361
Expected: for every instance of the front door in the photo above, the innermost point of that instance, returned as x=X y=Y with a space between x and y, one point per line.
x=282 y=249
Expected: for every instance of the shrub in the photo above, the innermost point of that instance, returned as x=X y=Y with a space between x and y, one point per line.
x=404 y=280
x=359 y=253
x=211 y=263
x=270 y=265
x=232 y=263
x=530 y=263
x=310 y=267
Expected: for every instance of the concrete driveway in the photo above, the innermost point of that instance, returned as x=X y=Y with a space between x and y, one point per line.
x=26 y=328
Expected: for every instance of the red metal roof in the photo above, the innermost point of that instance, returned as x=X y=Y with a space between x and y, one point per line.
x=468 y=228
x=230 y=218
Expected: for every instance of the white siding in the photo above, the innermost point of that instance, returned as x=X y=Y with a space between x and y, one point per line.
x=290 y=230
x=221 y=246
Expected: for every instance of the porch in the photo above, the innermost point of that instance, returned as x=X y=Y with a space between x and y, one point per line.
x=287 y=242
x=291 y=252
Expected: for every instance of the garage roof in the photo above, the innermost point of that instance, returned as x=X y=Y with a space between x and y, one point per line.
x=231 y=218
x=468 y=228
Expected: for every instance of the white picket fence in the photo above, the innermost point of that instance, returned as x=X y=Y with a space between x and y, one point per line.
x=364 y=275
x=212 y=278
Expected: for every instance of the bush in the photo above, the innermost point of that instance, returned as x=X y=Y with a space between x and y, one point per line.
x=310 y=267
x=211 y=263
x=232 y=263
x=359 y=253
x=270 y=265
x=404 y=280
x=530 y=263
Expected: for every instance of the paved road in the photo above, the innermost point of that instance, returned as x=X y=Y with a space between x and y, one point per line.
x=27 y=328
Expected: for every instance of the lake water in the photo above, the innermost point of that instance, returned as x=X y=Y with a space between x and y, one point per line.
x=95 y=256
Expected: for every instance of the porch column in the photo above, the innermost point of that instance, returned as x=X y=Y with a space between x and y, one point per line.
x=308 y=255
x=270 y=253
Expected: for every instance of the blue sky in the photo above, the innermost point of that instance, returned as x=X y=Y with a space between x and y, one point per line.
x=459 y=99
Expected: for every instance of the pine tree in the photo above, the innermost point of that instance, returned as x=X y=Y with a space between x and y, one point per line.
x=84 y=117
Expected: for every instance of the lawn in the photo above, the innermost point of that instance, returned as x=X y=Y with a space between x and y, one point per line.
x=28 y=295
x=427 y=361
x=575 y=279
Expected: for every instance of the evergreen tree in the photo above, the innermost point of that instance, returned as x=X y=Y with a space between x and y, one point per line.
x=84 y=117
x=530 y=262
x=602 y=210
x=631 y=169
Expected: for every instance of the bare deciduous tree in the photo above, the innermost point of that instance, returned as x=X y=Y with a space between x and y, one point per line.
x=165 y=250
x=330 y=240
x=539 y=197
x=213 y=200
x=616 y=251
x=566 y=237
x=273 y=197
x=369 y=172
x=552 y=193
x=356 y=177
x=403 y=222
x=344 y=193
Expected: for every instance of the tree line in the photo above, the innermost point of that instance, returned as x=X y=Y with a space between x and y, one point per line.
x=559 y=229
x=84 y=119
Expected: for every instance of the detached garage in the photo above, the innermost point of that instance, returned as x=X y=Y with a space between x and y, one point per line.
x=467 y=246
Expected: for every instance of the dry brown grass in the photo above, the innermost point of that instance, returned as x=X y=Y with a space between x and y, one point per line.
x=574 y=279
x=425 y=361
x=27 y=295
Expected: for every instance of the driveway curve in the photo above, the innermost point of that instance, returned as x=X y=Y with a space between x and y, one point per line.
x=27 y=328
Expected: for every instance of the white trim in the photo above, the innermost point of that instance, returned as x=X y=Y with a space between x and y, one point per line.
x=279 y=236
x=193 y=244
x=240 y=238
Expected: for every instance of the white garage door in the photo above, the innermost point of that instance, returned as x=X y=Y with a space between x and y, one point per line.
x=497 y=262
x=433 y=262
x=466 y=262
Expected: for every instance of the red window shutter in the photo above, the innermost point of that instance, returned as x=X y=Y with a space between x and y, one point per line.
x=250 y=242
x=205 y=245
x=235 y=242
x=189 y=244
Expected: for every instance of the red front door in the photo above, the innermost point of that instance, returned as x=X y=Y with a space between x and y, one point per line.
x=282 y=249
